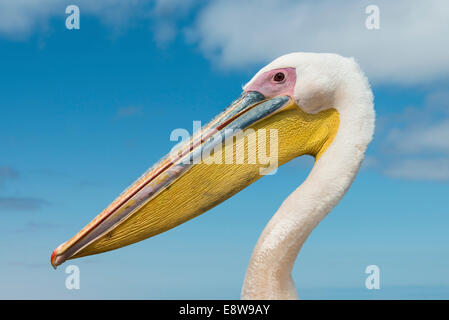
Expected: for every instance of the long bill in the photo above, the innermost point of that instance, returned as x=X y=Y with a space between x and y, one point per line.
x=218 y=162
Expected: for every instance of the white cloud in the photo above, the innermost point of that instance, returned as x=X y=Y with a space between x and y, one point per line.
x=173 y=7
x=421 y=130
x=19 y=18
x=414 y=140
x=420 y=149
x=410 y=47
x=420 y=169
x=438 y=101
x=165 y=15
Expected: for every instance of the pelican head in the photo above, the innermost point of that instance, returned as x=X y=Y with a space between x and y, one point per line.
x=303 y=103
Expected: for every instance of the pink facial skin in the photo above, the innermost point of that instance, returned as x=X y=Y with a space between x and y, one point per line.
x=266 y=84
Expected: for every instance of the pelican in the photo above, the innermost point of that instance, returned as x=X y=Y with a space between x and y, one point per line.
x=320 y=104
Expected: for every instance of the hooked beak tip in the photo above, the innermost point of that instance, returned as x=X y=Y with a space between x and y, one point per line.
x=52 y=259
x=55 y=258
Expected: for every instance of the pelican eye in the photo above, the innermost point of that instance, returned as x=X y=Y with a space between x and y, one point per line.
x=278 y=77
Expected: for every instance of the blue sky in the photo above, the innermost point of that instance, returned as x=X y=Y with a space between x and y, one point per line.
x=85 y=112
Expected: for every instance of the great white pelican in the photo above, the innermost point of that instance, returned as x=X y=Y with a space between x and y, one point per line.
x=319 y=104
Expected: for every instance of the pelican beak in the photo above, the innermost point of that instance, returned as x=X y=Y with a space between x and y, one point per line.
x=217 y=162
